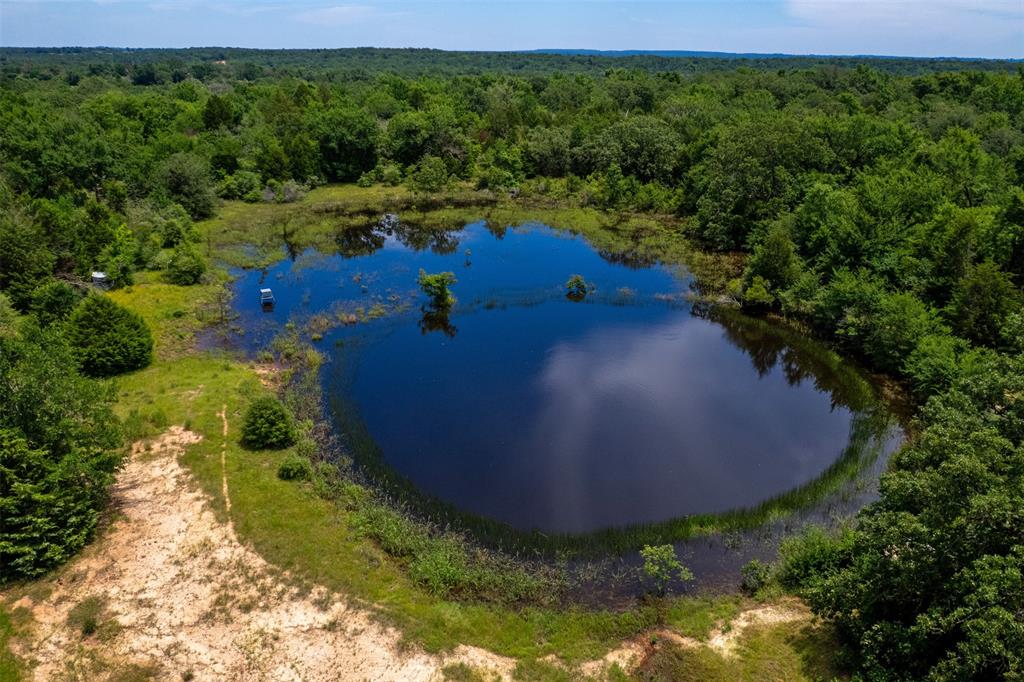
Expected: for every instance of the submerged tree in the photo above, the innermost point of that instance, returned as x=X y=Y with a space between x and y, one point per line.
x=437 y=321
x=576 y=288
x=436 y=286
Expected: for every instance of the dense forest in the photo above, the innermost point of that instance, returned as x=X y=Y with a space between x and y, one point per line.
x=880 y=204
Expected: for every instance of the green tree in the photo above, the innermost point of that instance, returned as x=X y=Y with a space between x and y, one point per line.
x=347 y=139
x=934 y=363
x=576 y=288
x=982 y=301
x=430 y=175
x=774 y=260
x=270 y=158
x=218 y=112
x=438 y=287
x=118 y=258
x=53 y=302
x=186 y=265
x=644 y=147
x=107 y=338
x=267 y=425
x=25 y=259
x=58 y=452
x=185 y=179
x=757 y=294
x=899 y=322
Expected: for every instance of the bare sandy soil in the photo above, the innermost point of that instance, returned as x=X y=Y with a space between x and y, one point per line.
x=173 y=594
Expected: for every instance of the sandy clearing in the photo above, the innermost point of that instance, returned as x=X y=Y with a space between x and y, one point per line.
x=183 y=595
x=187 y=596
x=724 y=640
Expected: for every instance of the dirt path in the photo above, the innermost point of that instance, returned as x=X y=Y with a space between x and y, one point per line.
x=171 y=592
x=223 y=414
x=181 y=597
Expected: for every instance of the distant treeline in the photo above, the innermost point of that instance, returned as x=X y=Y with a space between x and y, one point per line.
x=214 y=63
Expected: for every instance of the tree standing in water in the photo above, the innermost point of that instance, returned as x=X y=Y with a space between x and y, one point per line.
x=436 y=286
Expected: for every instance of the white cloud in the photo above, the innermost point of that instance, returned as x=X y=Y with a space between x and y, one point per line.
x=338 y=15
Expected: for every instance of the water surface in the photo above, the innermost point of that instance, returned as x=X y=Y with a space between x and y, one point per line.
x=544 y=413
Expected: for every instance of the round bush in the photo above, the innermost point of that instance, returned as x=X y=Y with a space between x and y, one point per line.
x=267 y=425
x=108 y=339
x=295 y=468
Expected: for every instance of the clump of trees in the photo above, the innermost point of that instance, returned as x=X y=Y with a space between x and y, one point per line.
x=59 y=449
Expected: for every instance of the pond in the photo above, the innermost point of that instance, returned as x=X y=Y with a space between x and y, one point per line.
x=524 y=407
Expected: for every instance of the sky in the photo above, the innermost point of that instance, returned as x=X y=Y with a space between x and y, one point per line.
x=926 y=28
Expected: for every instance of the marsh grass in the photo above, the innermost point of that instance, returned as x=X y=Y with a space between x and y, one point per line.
x=257 y=235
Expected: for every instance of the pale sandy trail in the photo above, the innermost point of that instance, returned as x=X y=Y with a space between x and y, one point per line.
x=189 y=597
x=184 y=595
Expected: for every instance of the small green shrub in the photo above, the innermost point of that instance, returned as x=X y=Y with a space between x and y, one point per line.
x=295 y=468
x=391 y=175
x=754 y=576
x=267 y=425
x=430 y=175
x=86 y=615
x=576 y=288
x=661 y=565
x=107 y=338
x=757 y=295
x=460 y=672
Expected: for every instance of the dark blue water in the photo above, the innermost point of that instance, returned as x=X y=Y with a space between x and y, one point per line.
x=545 y=413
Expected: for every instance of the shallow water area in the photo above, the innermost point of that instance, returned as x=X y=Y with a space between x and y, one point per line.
x=520 y=405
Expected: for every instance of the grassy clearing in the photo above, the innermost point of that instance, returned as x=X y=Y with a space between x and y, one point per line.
x=173 y=313
x=791 y=651
x=10 y=666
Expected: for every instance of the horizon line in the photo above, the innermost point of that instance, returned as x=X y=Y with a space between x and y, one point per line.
x=557 y=51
